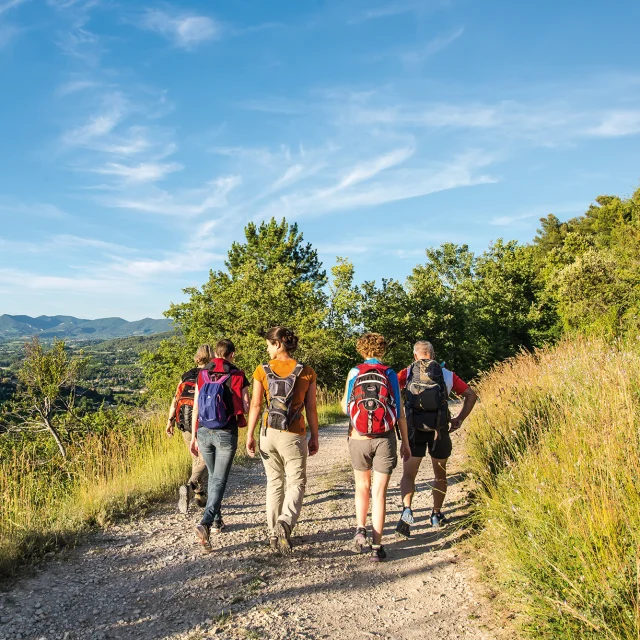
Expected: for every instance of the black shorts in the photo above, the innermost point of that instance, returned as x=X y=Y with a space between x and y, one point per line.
x=423 y=442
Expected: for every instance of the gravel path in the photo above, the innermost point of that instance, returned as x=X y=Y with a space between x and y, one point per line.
x=148 y=579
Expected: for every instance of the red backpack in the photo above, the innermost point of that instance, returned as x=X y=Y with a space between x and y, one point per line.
x=372 y=410
x=184 y=399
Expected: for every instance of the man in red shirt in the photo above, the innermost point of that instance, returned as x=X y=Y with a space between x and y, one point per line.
x=439 y=447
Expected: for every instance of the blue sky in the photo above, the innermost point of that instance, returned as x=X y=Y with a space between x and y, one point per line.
x=138 y=138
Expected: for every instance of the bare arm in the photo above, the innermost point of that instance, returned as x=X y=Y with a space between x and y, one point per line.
x=311 y=410
x=345 y=399
x=194 y=423
x=245 y=400
x=254 y=414
x=469 y=398
x=172 y=413
x=405 y=449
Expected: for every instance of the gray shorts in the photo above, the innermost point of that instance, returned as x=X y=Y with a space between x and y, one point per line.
x=379 y=453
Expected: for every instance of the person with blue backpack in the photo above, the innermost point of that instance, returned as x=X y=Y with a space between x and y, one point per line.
x=290 y=389
x=372 y=402
x=220 y=403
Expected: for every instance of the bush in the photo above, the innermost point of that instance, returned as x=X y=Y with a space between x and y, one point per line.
x=554 y=445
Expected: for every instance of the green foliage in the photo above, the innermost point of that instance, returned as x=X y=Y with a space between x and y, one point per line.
x=45 y=397
x=272 y=244
x=272 y=279
x=590 y=266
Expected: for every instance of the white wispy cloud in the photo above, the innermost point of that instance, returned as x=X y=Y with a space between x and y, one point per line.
x=11 y=4
x=186 y=31
x=375 y=183
x=618 y=123
x=39 y=209
x=439 y=43
x=537 y=213
x=75 y=86
x=391 y=9
x=193 y=202
x=98 y=125
x=142 y=172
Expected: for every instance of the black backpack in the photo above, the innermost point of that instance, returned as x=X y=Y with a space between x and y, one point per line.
x=426 y=397
x=279 y=411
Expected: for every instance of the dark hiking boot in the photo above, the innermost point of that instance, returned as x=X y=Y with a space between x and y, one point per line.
x=185 y=493
x=200 y=500
x=283 y=536
x=403 y=529
x=378 y=554
x=202 y=532
x=218 y=526
x=438 y=520
x=359 y=544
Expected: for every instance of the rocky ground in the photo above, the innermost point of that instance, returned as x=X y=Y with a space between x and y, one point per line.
x=149 y=579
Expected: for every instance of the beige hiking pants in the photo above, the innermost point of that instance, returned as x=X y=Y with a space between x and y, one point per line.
x=284 y=456
x=199 y=474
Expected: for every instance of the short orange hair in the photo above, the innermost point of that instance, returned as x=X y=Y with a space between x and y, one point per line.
x=371 y=345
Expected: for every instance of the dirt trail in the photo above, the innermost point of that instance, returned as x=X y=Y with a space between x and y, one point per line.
x=148 y=579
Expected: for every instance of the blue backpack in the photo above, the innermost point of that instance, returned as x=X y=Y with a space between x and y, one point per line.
x=212 y=411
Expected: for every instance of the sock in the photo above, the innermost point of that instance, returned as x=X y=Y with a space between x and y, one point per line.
x=407 y=515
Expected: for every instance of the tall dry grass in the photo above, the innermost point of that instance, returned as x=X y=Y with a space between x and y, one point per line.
x=45 y=502
x=555 y=446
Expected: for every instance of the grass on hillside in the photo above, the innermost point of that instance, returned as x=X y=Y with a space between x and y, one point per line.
x=554 y=445
x=46 y=502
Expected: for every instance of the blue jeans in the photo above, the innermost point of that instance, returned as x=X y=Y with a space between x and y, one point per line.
x=217 y=447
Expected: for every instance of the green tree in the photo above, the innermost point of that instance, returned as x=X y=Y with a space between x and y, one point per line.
x=47 y=391
x=272 y=279
x=272 y=244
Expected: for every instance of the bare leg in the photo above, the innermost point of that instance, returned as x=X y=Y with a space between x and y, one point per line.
x=379 y=506
x=408 y=482
x=439 y=483
x=363 y=487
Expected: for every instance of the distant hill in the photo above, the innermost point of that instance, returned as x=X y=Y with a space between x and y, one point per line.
x=68 y=327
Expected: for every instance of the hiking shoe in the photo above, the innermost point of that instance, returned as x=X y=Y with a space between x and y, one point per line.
x=185 y=493
x=283 y=536
x=218 y=526
x=437 y=519
x=273 y=543
x=378 y=554
x=202 y=532
x=201 y=500
x=406 y=520
x=403 y=529
x=359 y=542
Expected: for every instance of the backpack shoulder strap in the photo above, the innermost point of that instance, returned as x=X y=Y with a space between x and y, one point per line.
x=268 y=370
x=295 y=374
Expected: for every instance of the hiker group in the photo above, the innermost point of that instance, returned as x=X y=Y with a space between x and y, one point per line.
x=212 y=402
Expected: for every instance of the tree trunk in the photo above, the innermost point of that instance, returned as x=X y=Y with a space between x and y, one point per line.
x=56 y=436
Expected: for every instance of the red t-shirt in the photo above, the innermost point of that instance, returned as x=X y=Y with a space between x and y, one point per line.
x=458 y=387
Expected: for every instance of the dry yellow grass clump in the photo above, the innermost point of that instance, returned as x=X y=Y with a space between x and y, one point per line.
x=46 y=501
x=555 y=445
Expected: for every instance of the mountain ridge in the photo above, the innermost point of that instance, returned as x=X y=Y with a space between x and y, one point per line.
x=13 y=327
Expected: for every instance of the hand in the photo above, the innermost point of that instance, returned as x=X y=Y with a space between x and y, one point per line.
x=455 y=424
x=313 y=445
x=251 y=445
x=405 y=450
x=193 y=447
x=169 y=429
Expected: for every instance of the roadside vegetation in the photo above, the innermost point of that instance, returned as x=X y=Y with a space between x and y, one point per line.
x=554 y=448
x=553 y=443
